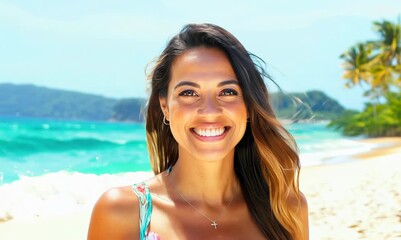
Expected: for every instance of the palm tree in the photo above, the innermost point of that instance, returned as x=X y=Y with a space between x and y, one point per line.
x=389 y=44
x=357 y=65
x=376 y=64
x=386 y=70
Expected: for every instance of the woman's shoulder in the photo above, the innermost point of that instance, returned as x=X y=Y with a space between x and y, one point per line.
x=297 y=201
x=117 y=198
x=115 y=215
x=299 y=205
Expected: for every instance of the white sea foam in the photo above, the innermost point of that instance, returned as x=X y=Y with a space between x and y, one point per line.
x=59 y=193
x=334 y=151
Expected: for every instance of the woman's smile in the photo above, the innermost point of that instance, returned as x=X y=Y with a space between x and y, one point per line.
x=210 y=134
x=214 y=132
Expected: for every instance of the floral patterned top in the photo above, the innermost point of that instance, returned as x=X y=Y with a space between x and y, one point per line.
x=145 y=211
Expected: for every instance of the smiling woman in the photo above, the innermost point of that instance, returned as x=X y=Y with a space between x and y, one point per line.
x=225 y=167
x=205 y=106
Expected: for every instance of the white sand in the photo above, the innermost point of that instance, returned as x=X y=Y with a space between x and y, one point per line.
x=65 y=227
x=356 y=200
x=353 y=200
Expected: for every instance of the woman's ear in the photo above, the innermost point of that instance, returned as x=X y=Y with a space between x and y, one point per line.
x=163 y=106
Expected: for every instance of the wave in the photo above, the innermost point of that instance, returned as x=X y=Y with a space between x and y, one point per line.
x=59 y=193
x=29 y=145
x=333 y=151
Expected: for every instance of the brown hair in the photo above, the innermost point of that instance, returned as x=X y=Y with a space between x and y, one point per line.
x=266 y=159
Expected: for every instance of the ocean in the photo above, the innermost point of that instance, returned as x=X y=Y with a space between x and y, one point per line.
x=35 y=147
x=56 y=168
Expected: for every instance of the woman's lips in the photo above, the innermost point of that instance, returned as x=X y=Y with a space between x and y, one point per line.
x=209 y=132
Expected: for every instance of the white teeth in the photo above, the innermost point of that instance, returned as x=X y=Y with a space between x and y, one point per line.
x=209 y=132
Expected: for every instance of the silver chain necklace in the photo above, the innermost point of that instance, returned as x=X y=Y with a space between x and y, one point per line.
x=214 y=222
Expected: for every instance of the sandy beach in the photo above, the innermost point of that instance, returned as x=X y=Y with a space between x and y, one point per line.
x=359 y=199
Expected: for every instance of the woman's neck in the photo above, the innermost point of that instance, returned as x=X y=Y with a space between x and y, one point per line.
x=213 y=183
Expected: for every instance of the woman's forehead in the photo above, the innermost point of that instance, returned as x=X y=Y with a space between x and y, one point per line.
x=201 y=62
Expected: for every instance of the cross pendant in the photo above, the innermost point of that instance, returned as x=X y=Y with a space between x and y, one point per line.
x=214 y=224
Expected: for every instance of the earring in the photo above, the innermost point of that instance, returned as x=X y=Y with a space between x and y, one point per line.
x=165 y=121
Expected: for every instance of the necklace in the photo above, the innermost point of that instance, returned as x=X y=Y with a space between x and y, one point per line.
x=213 y=222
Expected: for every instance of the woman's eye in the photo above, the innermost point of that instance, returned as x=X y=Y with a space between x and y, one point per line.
x=229 y=92
x=188 y=93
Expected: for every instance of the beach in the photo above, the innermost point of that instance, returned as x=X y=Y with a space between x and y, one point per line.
x=358 y=199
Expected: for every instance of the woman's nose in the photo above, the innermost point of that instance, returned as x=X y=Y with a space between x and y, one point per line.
x=209 y=106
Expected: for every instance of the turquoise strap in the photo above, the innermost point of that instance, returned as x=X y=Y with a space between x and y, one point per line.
x=145 y=208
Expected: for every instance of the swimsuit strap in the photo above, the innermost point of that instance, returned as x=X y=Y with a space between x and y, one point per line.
x=145 y=207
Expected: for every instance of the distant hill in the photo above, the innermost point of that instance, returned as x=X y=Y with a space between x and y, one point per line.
x=130 y=109
x=41 y=102
x=311 y=105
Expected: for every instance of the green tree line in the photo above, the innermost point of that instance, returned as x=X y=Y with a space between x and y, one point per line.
x=375 y=65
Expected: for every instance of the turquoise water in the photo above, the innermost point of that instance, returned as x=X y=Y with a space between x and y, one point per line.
x=34 y=147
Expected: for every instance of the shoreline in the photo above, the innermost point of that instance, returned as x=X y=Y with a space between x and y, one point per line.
x=354 y=199
x=359 y=199
x=384 y=146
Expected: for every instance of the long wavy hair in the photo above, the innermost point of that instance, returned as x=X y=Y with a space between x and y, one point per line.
x=266 y=160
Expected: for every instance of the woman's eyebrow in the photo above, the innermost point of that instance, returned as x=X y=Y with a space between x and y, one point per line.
x=192 y=84
x=227 y=82
x=187 y=83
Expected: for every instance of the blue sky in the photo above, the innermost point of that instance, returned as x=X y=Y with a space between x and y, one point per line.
x=103 y=47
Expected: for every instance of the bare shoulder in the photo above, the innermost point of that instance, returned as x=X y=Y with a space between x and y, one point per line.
x=300 y=206
x=115 y=215
x=296 y=202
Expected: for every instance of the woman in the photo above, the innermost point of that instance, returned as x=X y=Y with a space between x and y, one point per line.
x=225 y=167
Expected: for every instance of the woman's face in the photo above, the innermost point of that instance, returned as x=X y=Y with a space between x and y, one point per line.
x=205 y=104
